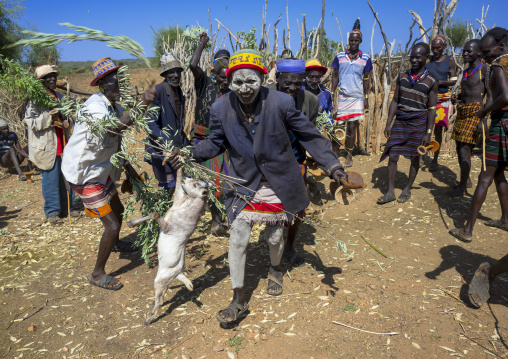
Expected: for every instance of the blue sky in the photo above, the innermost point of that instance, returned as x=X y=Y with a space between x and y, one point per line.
x=133 y=19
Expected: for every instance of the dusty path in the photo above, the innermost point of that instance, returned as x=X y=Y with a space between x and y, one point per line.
x=49 y=309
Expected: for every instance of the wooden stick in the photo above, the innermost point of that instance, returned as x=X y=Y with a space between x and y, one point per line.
x=365 y=331
x=225 y=28
x=483 y=147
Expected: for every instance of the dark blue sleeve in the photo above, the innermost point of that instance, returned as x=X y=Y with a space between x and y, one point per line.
x=215 y=143
x=335 y=63
x=368 y=66
x=311 y=139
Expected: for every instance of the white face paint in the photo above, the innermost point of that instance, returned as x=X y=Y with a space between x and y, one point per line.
x=246 y=83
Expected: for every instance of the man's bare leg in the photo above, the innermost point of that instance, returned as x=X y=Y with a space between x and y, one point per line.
x=413 y=171
x=290 y=252
x=438 y=133
x=112 y=223
x=464 y=151
x=350 y=142
x=484 y=181
x=10 y=159
x=502 y=193
x=237 y=256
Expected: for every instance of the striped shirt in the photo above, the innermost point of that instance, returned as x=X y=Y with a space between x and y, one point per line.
x=414 y=97
x=351 y=73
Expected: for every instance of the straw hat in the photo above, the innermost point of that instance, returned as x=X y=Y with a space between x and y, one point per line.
x=315 y=64
x=169 y=61
x=101 y=68
x=45 y=70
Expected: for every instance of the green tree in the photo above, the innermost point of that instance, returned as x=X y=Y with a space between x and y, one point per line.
x=10 y=31
x=457 y=32
x=164 y=36
x=328 y=48
x=41 y=55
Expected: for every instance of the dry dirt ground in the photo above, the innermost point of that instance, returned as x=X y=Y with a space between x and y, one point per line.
x=417 y=293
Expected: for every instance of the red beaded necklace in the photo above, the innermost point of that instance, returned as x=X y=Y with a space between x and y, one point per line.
x=466 y=75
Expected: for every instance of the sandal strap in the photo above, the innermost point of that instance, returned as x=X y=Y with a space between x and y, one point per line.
x=275 y=280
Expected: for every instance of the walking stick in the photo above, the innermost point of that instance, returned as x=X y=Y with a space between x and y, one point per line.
x=67 y=187
x=483 y=129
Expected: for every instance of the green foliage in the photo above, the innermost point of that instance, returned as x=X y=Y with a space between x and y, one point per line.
x=457 y=32
x=350 y=308
x=150 y=200
x=235 y=343
x=120 y=42
x=166 y=37
x=41 y=55
x=23 y=85
x=10 y=32
x=328 y=47
x=248 y=40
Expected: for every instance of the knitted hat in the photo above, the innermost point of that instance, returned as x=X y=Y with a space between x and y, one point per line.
x=314 y=64
x=44 y=70
x=169 y=61
x=101 y=68
x=246 y=59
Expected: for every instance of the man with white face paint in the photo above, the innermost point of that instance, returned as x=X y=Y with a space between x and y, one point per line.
x=252 y=123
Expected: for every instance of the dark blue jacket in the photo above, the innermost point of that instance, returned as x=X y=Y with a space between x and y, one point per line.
x=263 y=148
x=168 y=120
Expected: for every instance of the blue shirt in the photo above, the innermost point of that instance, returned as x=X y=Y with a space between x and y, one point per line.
x=325 y=98
x=351 y=73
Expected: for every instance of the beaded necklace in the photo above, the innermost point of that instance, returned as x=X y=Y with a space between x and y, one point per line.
x=466 y=75
x=353 y=57
x=416 y=78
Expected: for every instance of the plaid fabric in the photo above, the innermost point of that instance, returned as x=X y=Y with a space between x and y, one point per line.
x=464 y=129
x=96 y=197
x=496 y=146
x=408 y=130
x=443 y=109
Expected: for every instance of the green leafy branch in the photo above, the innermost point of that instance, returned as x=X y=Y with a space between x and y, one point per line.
x=120 y=42
x=23 y=85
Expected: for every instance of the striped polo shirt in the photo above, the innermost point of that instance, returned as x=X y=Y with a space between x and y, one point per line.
x=351 y=73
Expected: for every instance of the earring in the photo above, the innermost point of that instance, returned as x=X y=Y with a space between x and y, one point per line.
x=101 y=89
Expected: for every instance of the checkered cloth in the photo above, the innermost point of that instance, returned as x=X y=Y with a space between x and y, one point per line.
x=464 y=129
x=496 y=146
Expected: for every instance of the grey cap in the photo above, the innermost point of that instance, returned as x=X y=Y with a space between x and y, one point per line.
x=169 y=61
x=3 y=122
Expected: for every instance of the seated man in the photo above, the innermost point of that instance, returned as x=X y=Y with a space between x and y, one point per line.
x=87 y=166
x=11 y=153
x=252 y=124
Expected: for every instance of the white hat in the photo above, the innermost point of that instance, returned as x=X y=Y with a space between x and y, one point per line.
x=44 y=70
x=170 y=61
x=3 y=122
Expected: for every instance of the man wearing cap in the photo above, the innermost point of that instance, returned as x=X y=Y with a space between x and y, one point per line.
x=351 y=74
x=208 y=90
x=290 y=77
x=168 y=124
x=11 y=153
x=87 y=163
x=46 y=142
x=314 y=73
x=252 y=123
